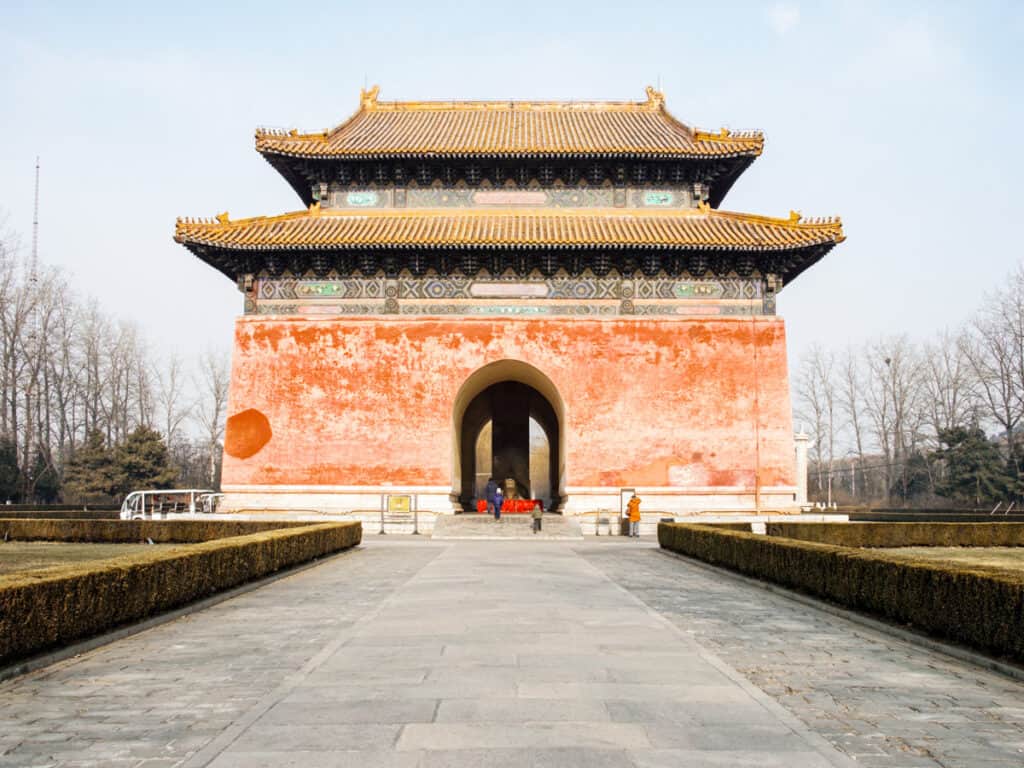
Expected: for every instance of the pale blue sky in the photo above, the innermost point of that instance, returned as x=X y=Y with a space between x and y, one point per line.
x=903 y=118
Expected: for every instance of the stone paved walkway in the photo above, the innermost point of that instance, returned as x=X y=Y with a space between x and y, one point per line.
x=884 y=701
x=419 y=653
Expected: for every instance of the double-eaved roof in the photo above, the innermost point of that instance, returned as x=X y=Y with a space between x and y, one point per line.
x=520 y=134
x=510 y=129
x=701 y=229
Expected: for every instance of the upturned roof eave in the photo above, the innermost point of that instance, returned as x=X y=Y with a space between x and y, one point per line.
x=809 y=256
x=638 y=154
x=397 y=245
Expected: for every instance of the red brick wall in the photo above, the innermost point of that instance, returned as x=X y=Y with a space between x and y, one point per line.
x=647 y=402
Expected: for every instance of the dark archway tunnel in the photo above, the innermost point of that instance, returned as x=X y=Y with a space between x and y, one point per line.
x=523 y=444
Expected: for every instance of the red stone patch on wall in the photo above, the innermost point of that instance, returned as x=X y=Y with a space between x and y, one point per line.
x=246 y=433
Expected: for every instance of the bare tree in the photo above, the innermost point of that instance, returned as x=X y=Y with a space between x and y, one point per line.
x=64 y=369
x=211 y=407
x=16 y=346
x=67 y=368
x=816 y=388
x=171 y=399
x=37 y=440
x=994 y=357
x=65 y=381
x=893 y=398
x=93 y=332
x=9 y=289
x=949 y=384
x=852 y=404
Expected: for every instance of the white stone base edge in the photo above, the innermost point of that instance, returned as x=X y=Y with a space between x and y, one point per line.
x=438 y=500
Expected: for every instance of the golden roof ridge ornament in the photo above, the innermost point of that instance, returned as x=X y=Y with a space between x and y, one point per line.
x=368 y=97
x=369 y=100
x=655 y=98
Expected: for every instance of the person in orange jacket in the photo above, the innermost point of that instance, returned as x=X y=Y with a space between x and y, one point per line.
x=633 y=510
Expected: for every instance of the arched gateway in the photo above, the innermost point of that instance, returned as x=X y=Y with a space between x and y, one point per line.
x=471 y=284
x=506 y=423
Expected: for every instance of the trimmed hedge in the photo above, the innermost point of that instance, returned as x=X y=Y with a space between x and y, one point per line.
x=42 y=510
x=134 y=531
x=980 y=608
x=56 y=606
x=934 y=517
x=60 y=514
x=904 y=534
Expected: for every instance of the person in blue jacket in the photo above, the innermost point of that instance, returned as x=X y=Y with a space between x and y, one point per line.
x=489 y=494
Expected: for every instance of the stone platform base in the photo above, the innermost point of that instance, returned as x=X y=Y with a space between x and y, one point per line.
x=594 y=510
x=649 y=522
x=333 y=499
x=509 y=527
x=579 y=501
x=449 y=526
x=670 y=500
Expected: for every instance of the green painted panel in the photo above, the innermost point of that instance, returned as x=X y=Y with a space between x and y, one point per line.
x=361 y=199
x=658 y=198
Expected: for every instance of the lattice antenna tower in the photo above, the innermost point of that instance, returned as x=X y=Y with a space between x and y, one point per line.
x=33 y=274
x=33 y=316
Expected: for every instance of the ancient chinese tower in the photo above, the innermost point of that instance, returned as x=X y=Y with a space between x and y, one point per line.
x=541 y=291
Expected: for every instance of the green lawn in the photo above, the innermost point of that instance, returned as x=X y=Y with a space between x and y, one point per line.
x=16 y=556
x=1007 y=558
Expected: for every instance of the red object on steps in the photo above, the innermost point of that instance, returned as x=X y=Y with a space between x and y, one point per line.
x=520 y=506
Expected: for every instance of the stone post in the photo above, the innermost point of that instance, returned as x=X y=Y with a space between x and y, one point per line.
x=801 y=441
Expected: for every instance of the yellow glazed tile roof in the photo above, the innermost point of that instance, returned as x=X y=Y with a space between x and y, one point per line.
x=702 y=228
x=510 y=129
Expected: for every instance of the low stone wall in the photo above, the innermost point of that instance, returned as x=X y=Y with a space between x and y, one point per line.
x=980 y=608
x=904 y=534
x=56 y=606
x=135 y=531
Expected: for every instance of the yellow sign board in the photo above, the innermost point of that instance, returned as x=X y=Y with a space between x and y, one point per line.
x=399 y=503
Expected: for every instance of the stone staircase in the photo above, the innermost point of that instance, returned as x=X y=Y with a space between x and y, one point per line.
x=509 y=527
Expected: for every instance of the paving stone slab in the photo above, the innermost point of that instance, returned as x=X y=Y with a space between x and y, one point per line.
x=318 y=759
x=263 y=737
x=676 y=758
x=391 y=711
x=547 y=735
x=535 y=758
x=521 y=711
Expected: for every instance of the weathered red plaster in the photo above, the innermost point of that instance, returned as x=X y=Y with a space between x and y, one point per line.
x=661 y=402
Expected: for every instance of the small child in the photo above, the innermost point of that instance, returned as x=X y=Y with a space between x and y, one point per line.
x=499 y=498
